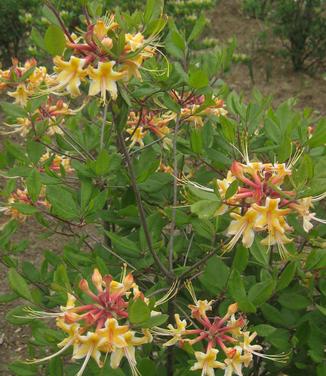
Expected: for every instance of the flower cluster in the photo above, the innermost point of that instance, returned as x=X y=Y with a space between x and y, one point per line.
x=98 y=55
x=100 y=327
x=215 y=333
x=55 y=162
x=50 y=116
x=20 y=196
x=155 y=121
x=193 y=111
x=260 y=204
x=24 y=81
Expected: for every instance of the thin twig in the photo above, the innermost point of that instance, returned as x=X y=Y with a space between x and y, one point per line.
x=142 y=215
x=76 y=142
x=188 y=250
x=57 y=15
x=175 y=192
x=105 y=111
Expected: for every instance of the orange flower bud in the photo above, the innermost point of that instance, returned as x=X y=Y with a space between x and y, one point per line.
x=233 y=308
x=97 y=280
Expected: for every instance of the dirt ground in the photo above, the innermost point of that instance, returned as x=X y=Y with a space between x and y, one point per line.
x=226 y=21
x=273 y=74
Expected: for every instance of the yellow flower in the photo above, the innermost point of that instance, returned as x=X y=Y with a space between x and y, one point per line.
x=131 y=67
x=20 y=94
x=129 y=351
x=235 y=361
x=207 y=362
x=246 y=344
x=242 y=226
x=134 y=42
x=177 y=331
x=272 y=219
x=88 y=346
x=303 y=208
x=201 y=306
x=137 y=136
x=223 y=186
x=70 y=74
x=73 y=331
x=114 y=335
x=37 y=77
x=104 y=79
x=102 y=27
x=23 y=126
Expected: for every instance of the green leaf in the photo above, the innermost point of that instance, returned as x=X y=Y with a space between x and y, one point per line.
x=272 y=314
x=54 y=40
x=286 y=276
x=62 y=202
x=124 y=245
x=236 y=286
x=169 y=103
x=284 y=150
x=205 y=209
x=16 y=151
x=86 y=190
x=154 y=321
x=210 y=279
x=138 y=311
x=7 y=231
x=48 y=14
x=280 y=339
x=25 y=208
x=264 y=330
x=55 y=367
x=37 y=38
x=14 y=110
x=316 y=259
x=201 y=194
x=319 y=136
x=34 y=185
x=34 y=150
x=175 y=44
x=232 y=190
x=61 y=278
x=196 y=140
x=198 y=79
x=228 y=128
x=246 y=306
x=19 y=285
x=102 y=164
x=321 y=309
x=198 y=28
x=293 y=301
x=23 y=369
x=7 y=298
x=240 y=260
x=153 y=9
x=259 y=252
x=147 y=367
x=261 y=292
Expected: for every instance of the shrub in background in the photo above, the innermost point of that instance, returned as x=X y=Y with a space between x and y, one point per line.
x=301 y=24
x=257 y=8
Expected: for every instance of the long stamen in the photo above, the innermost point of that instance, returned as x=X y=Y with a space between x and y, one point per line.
x=169 y=295
x=81 y=371
x=53 y=355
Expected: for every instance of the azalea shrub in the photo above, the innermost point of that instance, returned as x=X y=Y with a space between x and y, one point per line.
x=191 y=220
